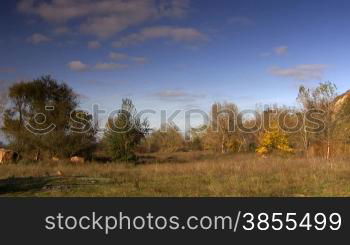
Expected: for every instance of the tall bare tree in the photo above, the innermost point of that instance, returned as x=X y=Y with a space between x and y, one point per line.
x=3 y=101
x=222 y=134
x=322 y=99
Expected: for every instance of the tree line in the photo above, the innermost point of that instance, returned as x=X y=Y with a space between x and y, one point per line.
x=321 y=121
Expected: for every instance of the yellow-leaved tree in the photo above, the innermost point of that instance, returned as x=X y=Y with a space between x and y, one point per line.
x=274 y=140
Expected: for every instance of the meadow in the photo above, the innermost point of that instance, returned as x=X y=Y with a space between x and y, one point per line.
x=191 y=174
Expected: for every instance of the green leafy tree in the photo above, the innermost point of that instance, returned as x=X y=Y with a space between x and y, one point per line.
x=38 y=120
x=168 y=140
x=124 y=132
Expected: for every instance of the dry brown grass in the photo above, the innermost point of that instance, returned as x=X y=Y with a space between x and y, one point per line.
x=182 y=175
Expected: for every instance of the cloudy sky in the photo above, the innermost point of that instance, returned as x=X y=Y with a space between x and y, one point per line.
x=177 y=54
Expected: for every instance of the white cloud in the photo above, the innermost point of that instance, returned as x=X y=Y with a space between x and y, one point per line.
x=94 y=45
x=38 y=38
x=121 y=56
x=179 y=34
x=78 y=66
x=281 y=50
x=118 y=56
x=109 y=66
x=106 y=26
x=104 y=17
x=301 y=72
x=177 y=95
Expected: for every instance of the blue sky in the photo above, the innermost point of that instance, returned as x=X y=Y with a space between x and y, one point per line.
x=177 y=54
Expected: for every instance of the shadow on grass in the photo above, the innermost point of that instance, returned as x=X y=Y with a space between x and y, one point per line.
x=30 y=184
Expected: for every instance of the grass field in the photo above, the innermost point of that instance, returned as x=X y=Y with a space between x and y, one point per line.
x=181 y=175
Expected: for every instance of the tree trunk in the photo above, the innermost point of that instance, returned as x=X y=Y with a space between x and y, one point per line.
x=328 y=150
x=241 y=145
x=306 y=143
x=223 y=145
x=37 y=156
